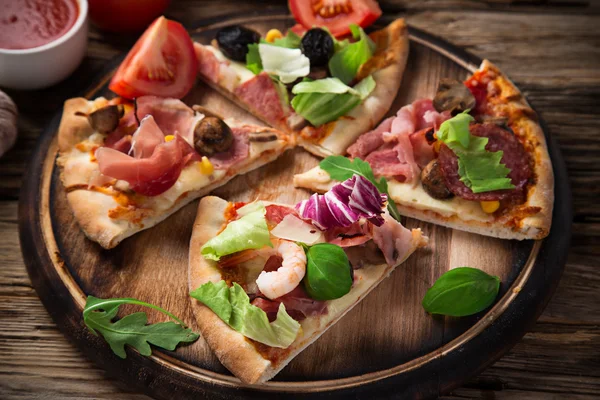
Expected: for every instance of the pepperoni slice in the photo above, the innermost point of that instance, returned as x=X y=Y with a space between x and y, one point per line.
x=515 y=158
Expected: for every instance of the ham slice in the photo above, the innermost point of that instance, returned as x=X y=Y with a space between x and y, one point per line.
x=155 y=166
x=422 y=150
x=297 y=304
x=395 y=162
x=239 y=150
x=393 y=239
x=208 y=64
x=262 y=98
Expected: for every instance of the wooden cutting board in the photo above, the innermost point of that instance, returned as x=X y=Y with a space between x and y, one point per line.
x=387 y=345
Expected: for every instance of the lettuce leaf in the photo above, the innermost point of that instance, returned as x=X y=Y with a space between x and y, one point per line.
x=348 y=58
x=479 y=169
x=291 y=41
x=248 y=232
x=233 y=306
x=253 y=62
x=287 y=64
x=325 y=100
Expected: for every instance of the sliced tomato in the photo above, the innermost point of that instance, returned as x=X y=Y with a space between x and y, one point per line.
x=336 y=15
x=161 y=63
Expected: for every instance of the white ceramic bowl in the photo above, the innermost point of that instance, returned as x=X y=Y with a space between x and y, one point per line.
x=43 y=66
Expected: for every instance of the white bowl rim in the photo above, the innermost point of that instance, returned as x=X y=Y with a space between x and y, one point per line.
x=83 y=11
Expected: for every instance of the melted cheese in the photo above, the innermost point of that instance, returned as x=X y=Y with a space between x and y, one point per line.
x=415 y=197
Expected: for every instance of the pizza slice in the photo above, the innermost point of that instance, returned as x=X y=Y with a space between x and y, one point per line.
x=474 y=158
x=325 y=91
x=125 y=167
x=267 y=279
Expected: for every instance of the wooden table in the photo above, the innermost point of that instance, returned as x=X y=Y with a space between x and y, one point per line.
x=552 y=51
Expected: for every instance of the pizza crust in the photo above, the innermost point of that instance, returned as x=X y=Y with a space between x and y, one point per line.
x=236 y=352
x=387 y=66
x=99 y=210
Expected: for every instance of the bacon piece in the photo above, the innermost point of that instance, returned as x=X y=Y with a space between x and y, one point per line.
x=370 y=141
x=239 y=150
x=393 y=239
x=262 y=98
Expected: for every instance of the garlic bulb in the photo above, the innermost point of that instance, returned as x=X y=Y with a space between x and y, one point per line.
x=8 y=123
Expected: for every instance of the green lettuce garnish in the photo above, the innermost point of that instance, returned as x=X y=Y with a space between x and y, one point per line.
x=233 y=306
x=327 y=99
x=348 y=58
x=291 y=40
x=253 y=62
x=248 y=232
x=479 y=169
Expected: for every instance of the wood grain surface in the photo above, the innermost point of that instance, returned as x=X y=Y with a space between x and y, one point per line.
x=552 y=55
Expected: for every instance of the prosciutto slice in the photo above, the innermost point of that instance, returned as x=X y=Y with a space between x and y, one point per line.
x=171 y=115
x=393 y=239
x=398 y=148
x=154 y=166
x=297 y=304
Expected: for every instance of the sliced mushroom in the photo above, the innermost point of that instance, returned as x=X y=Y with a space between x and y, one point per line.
x=433 y=181
x=452 y=95
x=105 y=119
x=296 y=122
x=264 y=136
x=212 y=135
x=502 y=122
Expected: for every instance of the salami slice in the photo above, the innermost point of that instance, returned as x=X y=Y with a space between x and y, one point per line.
x=515 y=158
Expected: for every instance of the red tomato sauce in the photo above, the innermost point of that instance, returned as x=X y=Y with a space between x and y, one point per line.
x=25 y=24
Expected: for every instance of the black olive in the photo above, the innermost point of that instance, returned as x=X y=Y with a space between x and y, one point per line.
x=433 y=182
x=234 y=40
x=211 y=136
x=317 y=45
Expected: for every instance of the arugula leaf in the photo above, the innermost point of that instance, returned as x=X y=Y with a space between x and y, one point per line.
x=345 y=62
x=479 y=169
x=461 y=291
x=325 y=100
x=253 y=62
x=232 y=305
x=248 y=232
x=341 y=168
x=328 y=272
x=132 y=329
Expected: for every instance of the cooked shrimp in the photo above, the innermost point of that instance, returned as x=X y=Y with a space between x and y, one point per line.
x=275 y=284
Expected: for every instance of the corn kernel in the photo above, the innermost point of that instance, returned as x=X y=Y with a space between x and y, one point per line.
x=168 y=138
x=436 y=145
x=489 y=206
x=206 y=166
x=272 y=35
x=127 y=107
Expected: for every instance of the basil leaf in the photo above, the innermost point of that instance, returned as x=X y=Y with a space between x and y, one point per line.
x=132 y=329
x=341 y=168
x=328 y=272
x=461 y=291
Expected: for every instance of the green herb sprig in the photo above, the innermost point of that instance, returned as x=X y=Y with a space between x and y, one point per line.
x=341 y=168
x=132 y=329
x=461 y=291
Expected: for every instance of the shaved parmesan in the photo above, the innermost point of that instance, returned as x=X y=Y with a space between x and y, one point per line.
x=294 y=229
x=287 y=64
